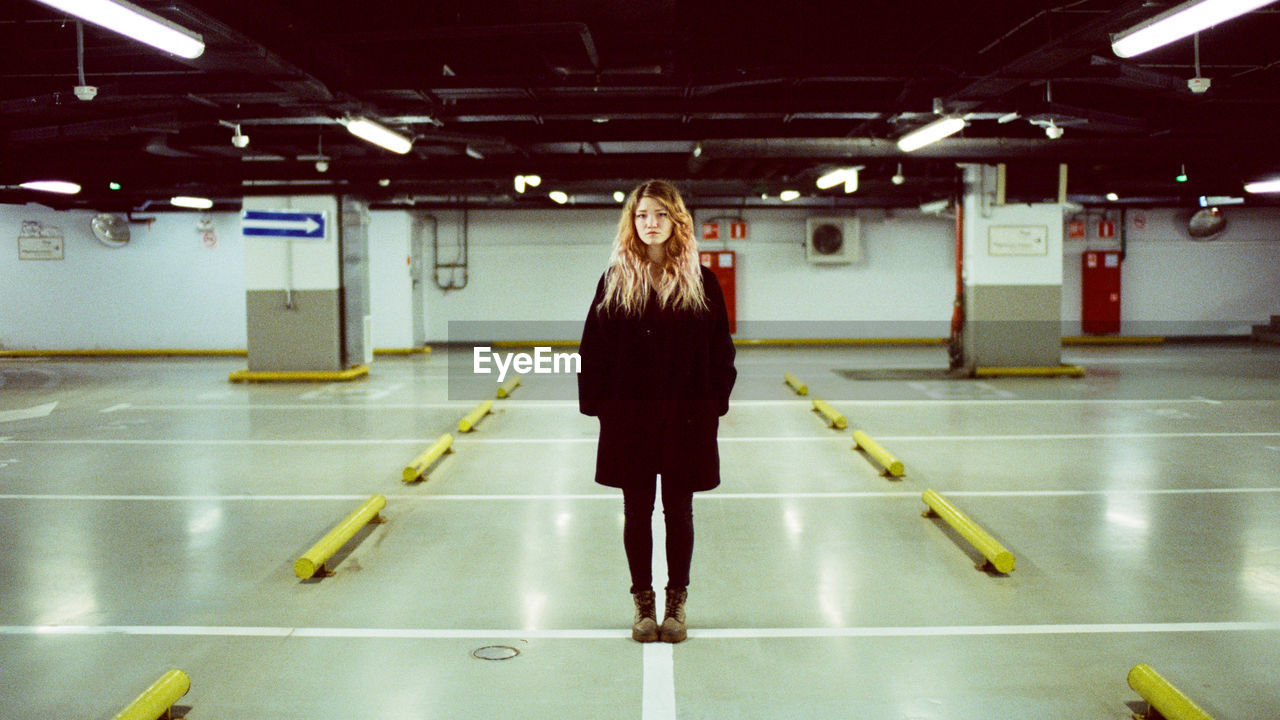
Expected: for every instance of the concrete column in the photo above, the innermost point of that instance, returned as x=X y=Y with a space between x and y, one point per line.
x=1012 y=277
x=293 y=290
x=353 y=240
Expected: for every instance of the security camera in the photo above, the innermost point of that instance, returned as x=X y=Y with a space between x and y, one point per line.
x=322 y=165
x=1199 y=85
x=86 y=92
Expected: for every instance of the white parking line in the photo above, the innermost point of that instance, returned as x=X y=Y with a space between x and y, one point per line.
x=620 y=634
x=658 y=701
x=617 y=497
x=1029 y=437
x=573 y=404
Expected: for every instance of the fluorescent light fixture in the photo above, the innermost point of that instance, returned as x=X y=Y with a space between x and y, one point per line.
x=195 y=203
x=1008 y=117
x=839 y=175
x=1207 y=200
x=133 y=21
x=1176 y=23
x=788 y=195
x=1263 y=186
x=474 y=153
x=366 y=129
x=523 y=181
x=935 y=207
x=558 y=196
x=62 y=187
x=931 y=133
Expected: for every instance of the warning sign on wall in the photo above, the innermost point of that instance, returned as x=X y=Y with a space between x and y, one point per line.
x=711 y=231
x=738 y=230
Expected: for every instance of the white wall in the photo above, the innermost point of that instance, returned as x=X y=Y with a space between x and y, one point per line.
x=1171 y=284
x=166 y=289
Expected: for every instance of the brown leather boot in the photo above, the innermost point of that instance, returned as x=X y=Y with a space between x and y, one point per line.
x=645 y=628
x=673 y=629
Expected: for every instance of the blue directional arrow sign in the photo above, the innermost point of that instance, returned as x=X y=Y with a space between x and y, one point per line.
x=283 y=224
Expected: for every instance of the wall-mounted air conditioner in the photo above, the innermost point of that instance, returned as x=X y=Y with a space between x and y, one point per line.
x=832 y=240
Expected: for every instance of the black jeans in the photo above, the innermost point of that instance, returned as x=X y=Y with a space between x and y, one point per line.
x=637 y=533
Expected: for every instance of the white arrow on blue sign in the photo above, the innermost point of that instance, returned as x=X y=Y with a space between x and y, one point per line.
x=282 y=223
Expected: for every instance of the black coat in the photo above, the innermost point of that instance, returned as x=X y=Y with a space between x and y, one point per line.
x=659 y=383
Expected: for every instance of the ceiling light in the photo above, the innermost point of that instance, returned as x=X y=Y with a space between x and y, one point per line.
x=1179 y=22
x=322 y=165
x=1181 y=176
x=384 y=182
x=62 y=187
x=523 y=181
x=619 y=196
x=931 y=133
x=114 y=185
x=474 y=153
x=558 y=196
x=837 y=176
x=697 y=150
x=136 y=23
x=935 y=207
x=1052 y=130
x=788 y=195
x=898 y=178
x=1112 y=197
x=1263 y=186
x=366 y=129
x=1008 y=117
x=195 y=203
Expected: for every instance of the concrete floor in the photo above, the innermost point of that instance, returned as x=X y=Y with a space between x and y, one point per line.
x=152 y=516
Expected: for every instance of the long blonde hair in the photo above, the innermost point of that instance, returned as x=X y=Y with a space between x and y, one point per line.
x=628 y=281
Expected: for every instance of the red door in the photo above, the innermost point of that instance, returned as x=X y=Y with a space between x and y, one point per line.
x=1100 y=285
x=724 y=264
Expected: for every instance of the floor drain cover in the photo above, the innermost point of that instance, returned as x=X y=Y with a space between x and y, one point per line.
x=495 y=652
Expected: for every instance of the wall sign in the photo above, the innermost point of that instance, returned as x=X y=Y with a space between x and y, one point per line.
x=38 y=242
x=1018 y=240
x=284 y=224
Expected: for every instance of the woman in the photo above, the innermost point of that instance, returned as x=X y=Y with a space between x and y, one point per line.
x=657 y=370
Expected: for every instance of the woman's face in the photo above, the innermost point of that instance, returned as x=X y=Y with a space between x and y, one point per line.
x=653 y=222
